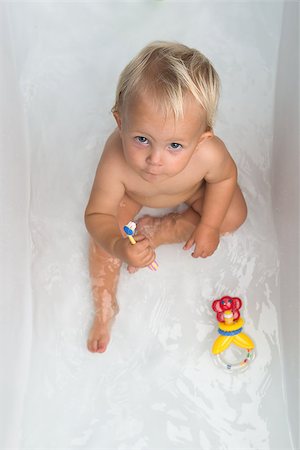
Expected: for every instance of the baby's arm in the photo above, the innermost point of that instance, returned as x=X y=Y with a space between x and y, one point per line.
x=221 y=182
x=102 y=211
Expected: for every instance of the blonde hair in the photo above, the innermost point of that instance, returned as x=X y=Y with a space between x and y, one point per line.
x=169 y=70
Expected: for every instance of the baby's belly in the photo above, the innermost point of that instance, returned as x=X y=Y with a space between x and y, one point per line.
x=165 y=200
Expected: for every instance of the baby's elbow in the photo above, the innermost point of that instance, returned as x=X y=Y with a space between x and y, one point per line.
x=234 y=171
x=88 y=219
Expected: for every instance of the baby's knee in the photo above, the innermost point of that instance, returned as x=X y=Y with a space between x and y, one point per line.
x=234 y=219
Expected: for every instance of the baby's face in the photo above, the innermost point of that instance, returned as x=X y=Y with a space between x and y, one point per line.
x=157 y=146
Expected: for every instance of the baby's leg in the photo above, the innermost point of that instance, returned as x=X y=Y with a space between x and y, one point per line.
x=104 y=274
x=178 y=227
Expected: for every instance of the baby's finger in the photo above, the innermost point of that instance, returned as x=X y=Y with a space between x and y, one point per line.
x=202 y=254
x=149 y=257
x=189 y=244
x=142 y=243
x=199 y=252
x=139 y=238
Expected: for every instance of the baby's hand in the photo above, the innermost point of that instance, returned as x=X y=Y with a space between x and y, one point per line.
x=205 y=239
x=140 y=254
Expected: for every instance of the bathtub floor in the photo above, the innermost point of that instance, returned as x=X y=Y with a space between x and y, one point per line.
x=157 y=386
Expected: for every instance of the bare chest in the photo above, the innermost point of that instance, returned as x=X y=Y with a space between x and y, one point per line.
x=165 y=194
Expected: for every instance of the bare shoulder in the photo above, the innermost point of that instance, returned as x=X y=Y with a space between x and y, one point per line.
x=216 y=159
x=212 y=150
x=111 y=164
x=112 y=152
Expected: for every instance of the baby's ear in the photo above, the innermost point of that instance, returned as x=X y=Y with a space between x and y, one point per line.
x=204 y=136
x=117 y=119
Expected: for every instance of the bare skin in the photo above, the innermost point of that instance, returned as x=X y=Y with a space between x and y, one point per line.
x=156 y=161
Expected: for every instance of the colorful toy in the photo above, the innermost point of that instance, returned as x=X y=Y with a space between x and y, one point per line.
x=230 y=331
x=130 y=231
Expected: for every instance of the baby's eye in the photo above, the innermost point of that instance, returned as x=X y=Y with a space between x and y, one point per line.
x=141 y=139
x=175 y=146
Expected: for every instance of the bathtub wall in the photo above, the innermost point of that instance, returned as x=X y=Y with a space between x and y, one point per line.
x=285 y=194
x=15 y=252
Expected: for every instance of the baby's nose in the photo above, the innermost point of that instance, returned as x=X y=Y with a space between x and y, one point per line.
x=154 y=157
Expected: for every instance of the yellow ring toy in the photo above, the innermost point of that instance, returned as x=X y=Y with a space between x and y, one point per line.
x=231 y=332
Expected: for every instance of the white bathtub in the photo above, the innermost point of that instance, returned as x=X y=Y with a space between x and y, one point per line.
x=157 y=386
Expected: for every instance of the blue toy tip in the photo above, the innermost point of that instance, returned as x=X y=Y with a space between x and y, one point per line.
x=128 y=231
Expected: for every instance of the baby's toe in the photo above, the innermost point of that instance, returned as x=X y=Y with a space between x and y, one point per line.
x=92 y=346
x=101 y=347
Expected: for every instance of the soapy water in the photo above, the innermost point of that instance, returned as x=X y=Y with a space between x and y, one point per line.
x=157 y=381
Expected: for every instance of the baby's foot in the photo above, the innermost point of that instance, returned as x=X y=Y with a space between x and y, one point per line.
x=99 y=335
x=168 y=229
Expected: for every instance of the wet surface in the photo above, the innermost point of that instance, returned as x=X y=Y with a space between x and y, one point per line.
x=157 y=386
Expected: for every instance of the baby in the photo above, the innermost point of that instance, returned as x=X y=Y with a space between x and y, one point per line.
x=163 y=153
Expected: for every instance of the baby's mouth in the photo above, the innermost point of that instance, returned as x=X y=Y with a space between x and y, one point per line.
x=152 y=173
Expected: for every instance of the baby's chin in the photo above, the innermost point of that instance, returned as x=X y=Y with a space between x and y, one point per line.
x=153 y=177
